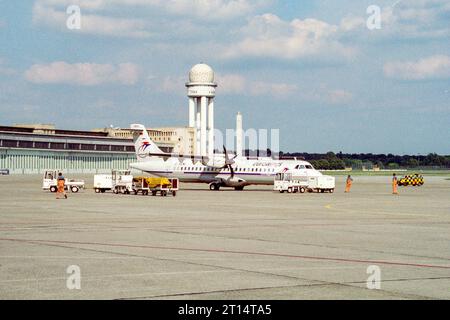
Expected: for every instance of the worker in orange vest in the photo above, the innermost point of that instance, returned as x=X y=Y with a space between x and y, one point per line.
x=61 y=188
x=394 y=184
x=348 y=184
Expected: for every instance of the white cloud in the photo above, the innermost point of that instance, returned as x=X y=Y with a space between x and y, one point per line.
x=90 y=23
x=85 y=74
x=270 y=36
x=201 y=9
x=212 y=9
x=433 y=67
x=237 y=84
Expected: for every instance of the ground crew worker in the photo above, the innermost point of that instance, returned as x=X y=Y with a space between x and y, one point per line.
x=60 y=184
x=349 y=184
x=394 y=184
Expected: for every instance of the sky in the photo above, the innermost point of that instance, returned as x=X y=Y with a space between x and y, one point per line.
x=330 y=75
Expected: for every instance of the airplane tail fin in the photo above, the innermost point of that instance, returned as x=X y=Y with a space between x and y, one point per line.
x=143 y=145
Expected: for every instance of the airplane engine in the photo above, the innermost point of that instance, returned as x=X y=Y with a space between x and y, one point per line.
x=234 y=182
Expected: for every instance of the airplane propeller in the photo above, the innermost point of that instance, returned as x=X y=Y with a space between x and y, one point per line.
x=229 y=162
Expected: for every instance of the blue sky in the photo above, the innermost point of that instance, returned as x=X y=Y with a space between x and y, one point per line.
x=310 y=68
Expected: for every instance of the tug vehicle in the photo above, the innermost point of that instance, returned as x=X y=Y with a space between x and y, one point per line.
x=415 y=180
x=49 y=182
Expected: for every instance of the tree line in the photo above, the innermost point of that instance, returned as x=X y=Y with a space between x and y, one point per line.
x=333 y=161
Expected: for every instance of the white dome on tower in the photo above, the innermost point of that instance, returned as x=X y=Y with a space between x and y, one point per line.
x=201 y=73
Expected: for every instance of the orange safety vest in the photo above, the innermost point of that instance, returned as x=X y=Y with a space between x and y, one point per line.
x=61 y=185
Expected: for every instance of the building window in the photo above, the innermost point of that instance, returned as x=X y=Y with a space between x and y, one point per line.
x=102 y=147
x=55 y=145
x=73 y=146
x=87 y=146
x=41 y=145
x=25 y=144
x=9 y=143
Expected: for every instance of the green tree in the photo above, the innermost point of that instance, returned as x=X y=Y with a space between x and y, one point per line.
x=413 y=163
x=393 y=165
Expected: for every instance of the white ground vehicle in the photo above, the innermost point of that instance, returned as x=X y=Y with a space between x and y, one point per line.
x=321 y=184
x=49 y=182
x=122 y=181
x=286 y=182
x=102 y=183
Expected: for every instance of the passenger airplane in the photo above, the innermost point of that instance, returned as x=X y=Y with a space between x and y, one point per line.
x=220 y=171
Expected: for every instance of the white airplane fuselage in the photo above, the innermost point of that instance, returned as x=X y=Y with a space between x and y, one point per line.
x=246 y=171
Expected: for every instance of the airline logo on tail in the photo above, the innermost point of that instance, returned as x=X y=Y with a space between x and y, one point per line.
x=142 y=148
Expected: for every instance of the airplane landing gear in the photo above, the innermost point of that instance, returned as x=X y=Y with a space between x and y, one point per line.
x=214 y=186
x=239 y=188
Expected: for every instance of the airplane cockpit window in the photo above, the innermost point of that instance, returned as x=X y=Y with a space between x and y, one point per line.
x=297 y=166
x=309 y=167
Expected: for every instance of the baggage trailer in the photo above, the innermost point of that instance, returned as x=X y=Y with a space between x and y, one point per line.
x=321 y=184
x=102 y=183
x=163 y=186
x=286 y=182
x=50 y=182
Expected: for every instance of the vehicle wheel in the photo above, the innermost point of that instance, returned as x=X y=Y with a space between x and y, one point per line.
x=102 y=191
x=212 y=186
x=115 y=191
x=153 y=193
x=97 y=190
x=74 y=189
x=289 y=190
x=135 y=192
x=302 y=190
x=174 y=193
x=52 y=189
x=281 y=191
x=331 y=190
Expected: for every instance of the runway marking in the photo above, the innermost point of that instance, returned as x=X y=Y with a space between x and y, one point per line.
x=382 y=262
